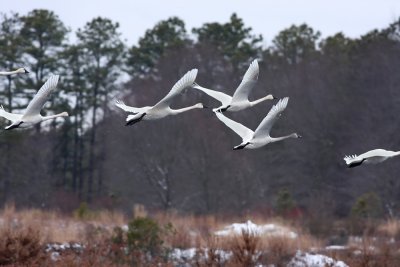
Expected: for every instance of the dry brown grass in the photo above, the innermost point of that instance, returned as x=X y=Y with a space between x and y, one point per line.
x=25 y=232
x=20 y=243
x=56 y=227
x=190 y=231
x=390 y=228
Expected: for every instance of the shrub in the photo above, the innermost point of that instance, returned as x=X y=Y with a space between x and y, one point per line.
x=246 y=249
x=367 y=205
x=284 y=202
x=19 y=245
x=82 y=212
x=144 y=240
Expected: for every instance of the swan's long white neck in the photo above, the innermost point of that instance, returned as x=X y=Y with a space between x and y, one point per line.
x=5 y=73
x=396 y=153
x=62 y=114
x=181 y=110
x=255 y=102
x=276 y=139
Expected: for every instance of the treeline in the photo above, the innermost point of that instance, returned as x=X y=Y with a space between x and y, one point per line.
x=344 y=99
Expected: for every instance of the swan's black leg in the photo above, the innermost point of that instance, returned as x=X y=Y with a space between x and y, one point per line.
x=224 y=109
x=241 y=146
x=135 y=120
x=13 y=126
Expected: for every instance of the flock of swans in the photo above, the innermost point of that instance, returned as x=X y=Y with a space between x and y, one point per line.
x=239 y=101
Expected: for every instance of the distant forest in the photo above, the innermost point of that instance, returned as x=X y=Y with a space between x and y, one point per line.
x=344 y=99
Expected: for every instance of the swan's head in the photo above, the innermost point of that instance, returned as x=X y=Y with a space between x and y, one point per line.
x=200 y=105
x=64 y=114
x=22 y=70
x=295 y=135
x=270 y=97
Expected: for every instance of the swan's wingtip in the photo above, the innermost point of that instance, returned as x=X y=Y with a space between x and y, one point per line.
x=193 y=72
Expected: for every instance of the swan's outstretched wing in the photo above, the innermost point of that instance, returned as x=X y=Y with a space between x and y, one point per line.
x=221 y=97
x=186 y=81
x=41 y=96
x=9 y=116
x=126 y=108
x=238 y=128
x=266 y=125
x=248 y=82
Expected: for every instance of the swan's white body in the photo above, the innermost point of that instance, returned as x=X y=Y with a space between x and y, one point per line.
x=261 y=136
x=32 y=115
x=240 y=99
x=371 y=157
x=162 y=108
x=18 y=71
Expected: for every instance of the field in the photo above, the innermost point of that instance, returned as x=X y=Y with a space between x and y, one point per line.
x=103 y=238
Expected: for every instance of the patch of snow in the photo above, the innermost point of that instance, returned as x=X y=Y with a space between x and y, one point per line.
x=54 y=256
x=355 y=239
x=336 y=247
x=125 y=228
x=302 y=259
x=184 y=255
x=250 y=227
x=56 y=247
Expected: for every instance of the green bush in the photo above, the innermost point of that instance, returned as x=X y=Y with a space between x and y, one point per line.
x=284 y=201
x=82 y=212
x=367 y=205
x=144 y=240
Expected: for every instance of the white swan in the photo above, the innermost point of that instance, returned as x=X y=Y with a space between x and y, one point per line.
x=161 y=109
x=371 y=157
x=32 y=115
x=20 y=70
x=240 y=99
x=261 y=136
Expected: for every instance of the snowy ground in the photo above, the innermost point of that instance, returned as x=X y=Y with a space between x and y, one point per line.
x=183 y=257
x=301 y=259
x=250 y=227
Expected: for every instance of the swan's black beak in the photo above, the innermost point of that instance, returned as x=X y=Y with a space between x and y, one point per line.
x=274 y=97
x=26 y=71
x=299 y=136
x=204 y=106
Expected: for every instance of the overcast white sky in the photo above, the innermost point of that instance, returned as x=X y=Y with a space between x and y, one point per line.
x=268 y=17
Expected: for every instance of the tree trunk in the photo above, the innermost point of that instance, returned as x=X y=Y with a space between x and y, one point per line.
x=91 y=144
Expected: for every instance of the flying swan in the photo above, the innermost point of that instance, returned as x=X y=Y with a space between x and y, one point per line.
x=162 y=108
x=261 y=136
x=20 y=70
x=32 y=115
x=240 y=99
x=371 y=157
